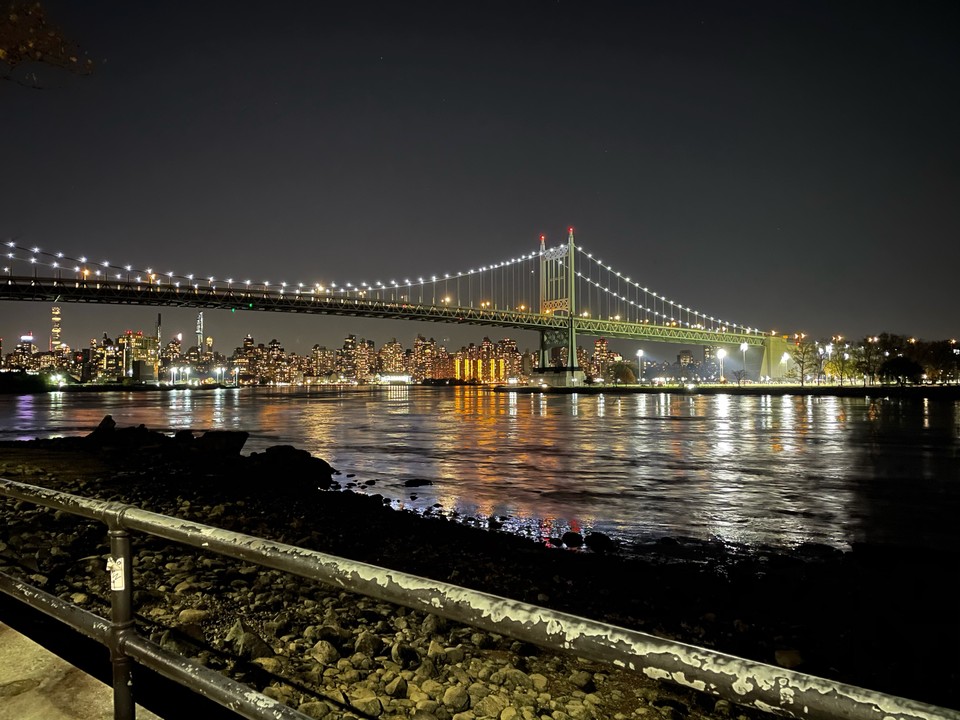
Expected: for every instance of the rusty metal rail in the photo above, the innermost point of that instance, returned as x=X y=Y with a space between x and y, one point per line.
x=744 y=682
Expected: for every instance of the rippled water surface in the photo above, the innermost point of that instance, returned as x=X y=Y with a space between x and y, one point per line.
x=754 y=470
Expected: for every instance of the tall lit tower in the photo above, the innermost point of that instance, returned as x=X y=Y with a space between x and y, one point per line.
x=55 y=329
x=200 y=333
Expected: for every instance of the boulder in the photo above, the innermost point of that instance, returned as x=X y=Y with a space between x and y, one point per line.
x=221 y=442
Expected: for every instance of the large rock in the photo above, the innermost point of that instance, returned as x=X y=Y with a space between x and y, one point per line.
x=222 y=442
x=300 y=469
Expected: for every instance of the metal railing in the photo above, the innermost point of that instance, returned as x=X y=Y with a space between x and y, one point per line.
x=744 y=682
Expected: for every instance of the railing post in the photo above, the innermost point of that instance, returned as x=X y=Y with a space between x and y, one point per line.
x=121 y=620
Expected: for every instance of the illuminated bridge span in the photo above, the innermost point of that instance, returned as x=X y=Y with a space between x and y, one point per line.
x=559 y=292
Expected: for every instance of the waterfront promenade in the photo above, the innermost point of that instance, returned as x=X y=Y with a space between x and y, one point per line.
x=36 y=684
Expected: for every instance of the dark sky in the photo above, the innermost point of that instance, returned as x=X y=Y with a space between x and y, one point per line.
x=785 y=165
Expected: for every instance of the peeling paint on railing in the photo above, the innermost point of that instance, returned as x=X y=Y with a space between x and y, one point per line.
x=745 y=682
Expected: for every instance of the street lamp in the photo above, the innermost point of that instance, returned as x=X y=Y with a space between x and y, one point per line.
x=743 y=349
x=783 y=361
x=721 y=354
x=639 y=365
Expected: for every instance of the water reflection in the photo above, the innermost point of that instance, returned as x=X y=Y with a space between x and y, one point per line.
x=756 y=470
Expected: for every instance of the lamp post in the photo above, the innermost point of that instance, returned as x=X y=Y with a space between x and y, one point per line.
x=721 y=354
x=743 y=349
x=783 y=361
x=639 y=365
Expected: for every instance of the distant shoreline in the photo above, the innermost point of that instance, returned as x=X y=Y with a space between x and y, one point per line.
x=932 y=392
x=31 y=385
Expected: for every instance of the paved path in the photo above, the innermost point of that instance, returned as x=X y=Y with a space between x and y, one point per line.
x=37 y=685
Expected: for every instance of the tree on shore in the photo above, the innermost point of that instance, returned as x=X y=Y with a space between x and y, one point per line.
x=867 y=358
x=841 y=364
x=622 y=373
x=818 y=361
x=938 y=359
x=803 y=358
x=902 y=370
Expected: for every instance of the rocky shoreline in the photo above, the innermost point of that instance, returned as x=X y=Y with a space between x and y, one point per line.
x=866 y=617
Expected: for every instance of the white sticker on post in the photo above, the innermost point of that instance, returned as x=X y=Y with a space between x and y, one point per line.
x=115 y=568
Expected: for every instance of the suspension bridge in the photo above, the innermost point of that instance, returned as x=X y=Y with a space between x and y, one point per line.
x=560 y=292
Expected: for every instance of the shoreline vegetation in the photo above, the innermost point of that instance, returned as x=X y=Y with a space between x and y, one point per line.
x=861 y=617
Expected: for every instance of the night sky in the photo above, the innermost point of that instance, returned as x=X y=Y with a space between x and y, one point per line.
x=785 y=165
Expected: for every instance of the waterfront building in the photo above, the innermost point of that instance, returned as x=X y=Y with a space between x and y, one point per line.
x=347 y=358
x=507 y=350
x=323 y=362
x=390 y=359
x=424 y=359
x=172 y=351
x=140 y=358
x=365 y=360
x=22 y=357
x=599 y=364
x=106 y=359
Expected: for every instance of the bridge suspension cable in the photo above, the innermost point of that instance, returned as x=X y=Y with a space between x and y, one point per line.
x=605 y=293
x=602 y=292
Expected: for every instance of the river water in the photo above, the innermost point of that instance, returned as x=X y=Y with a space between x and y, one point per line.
x=755 y=471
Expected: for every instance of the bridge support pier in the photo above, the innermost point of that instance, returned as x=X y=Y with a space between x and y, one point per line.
x=773 y=364
x=558 y=377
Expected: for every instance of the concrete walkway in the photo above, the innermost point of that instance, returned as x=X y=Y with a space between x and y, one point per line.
x=37 y=685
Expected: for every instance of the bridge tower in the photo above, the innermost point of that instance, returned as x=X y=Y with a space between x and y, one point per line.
x=558 y=295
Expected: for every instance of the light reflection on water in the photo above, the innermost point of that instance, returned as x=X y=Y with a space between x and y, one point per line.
x=765 y=470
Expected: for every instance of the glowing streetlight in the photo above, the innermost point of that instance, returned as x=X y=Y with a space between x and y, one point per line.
x=721 y=354
x=743 y=349
x=783 y=361
x=639 y=364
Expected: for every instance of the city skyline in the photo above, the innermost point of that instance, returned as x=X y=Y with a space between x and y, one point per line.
x=787 y=166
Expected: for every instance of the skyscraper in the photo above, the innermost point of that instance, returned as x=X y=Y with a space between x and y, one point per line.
x=55 y=328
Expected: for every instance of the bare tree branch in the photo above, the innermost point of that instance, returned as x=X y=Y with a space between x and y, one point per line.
x=26 y=36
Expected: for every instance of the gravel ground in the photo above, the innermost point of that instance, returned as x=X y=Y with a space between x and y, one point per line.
x=865 y=617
